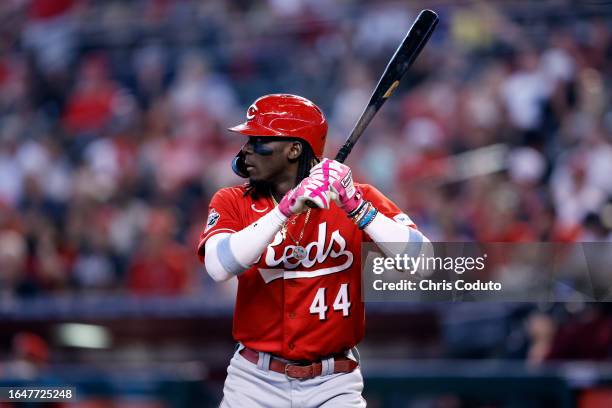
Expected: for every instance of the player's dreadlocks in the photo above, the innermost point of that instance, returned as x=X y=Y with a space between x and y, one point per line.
x=306 y=161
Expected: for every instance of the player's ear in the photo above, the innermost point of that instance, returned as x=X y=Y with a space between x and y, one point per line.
x=295 y=150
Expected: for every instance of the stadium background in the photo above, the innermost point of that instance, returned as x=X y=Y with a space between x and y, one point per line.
x=112 y=141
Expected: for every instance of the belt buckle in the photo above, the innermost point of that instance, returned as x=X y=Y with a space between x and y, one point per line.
x=299 y=378
x=287 y=374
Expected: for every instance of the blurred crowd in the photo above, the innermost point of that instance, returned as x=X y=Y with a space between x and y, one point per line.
x=113 y=118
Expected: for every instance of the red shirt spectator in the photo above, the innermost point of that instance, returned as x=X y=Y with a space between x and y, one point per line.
x=90 y=106
x=161 y=265
x=42 y=9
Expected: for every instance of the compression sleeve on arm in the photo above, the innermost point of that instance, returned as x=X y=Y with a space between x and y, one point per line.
x=229 y=255
x=383 y=230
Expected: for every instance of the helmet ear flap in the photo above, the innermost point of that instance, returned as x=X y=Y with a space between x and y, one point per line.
x=239 y=166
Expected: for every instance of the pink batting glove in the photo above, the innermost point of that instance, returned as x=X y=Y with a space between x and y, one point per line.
x=311 y=192
x=340 y=180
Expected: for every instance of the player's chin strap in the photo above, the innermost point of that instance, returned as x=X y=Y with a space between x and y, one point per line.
x=239 y=166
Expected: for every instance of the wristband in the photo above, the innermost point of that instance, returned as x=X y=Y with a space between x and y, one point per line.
x=368 y=218
x=363 y=211
x=357 y=210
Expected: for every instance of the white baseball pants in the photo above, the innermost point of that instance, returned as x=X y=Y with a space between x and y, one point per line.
x=250 y=386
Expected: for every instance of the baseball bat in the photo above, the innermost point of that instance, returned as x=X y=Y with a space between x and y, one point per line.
x=403 y=59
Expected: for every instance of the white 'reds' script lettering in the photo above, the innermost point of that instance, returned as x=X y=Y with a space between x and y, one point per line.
x=316 y=252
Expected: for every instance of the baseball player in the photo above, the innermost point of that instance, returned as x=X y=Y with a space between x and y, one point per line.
x=292 y=237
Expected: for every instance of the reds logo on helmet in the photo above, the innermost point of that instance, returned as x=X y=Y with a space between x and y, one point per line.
x=251 y=112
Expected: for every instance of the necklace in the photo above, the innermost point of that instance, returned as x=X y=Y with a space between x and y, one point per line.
x=299 y=252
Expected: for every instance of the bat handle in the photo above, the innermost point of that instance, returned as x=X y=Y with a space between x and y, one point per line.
x=343 y=153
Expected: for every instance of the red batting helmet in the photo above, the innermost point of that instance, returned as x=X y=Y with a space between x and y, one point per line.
x=288 y=116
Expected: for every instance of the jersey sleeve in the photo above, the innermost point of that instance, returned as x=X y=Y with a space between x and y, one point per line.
x=223 y=216
x=386 y=206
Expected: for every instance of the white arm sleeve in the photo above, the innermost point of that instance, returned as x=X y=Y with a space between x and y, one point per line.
x=228 y=255
x=383 y=230
x=211 y=261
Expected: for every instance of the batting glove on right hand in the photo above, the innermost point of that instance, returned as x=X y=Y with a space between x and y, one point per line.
x=310 y=192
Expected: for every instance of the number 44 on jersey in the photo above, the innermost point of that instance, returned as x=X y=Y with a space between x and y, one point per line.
x=341 y=303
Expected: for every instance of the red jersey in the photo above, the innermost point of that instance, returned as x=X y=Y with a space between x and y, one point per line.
x=299 y=309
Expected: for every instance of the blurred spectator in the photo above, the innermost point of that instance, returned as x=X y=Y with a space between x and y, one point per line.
x=575 y=196
x=585 y=334
x=13 y=254
x=197 y=91
x=160 y=266
x=30 y=356
x=90 y=106
x=151 y=66
x=49 y=32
